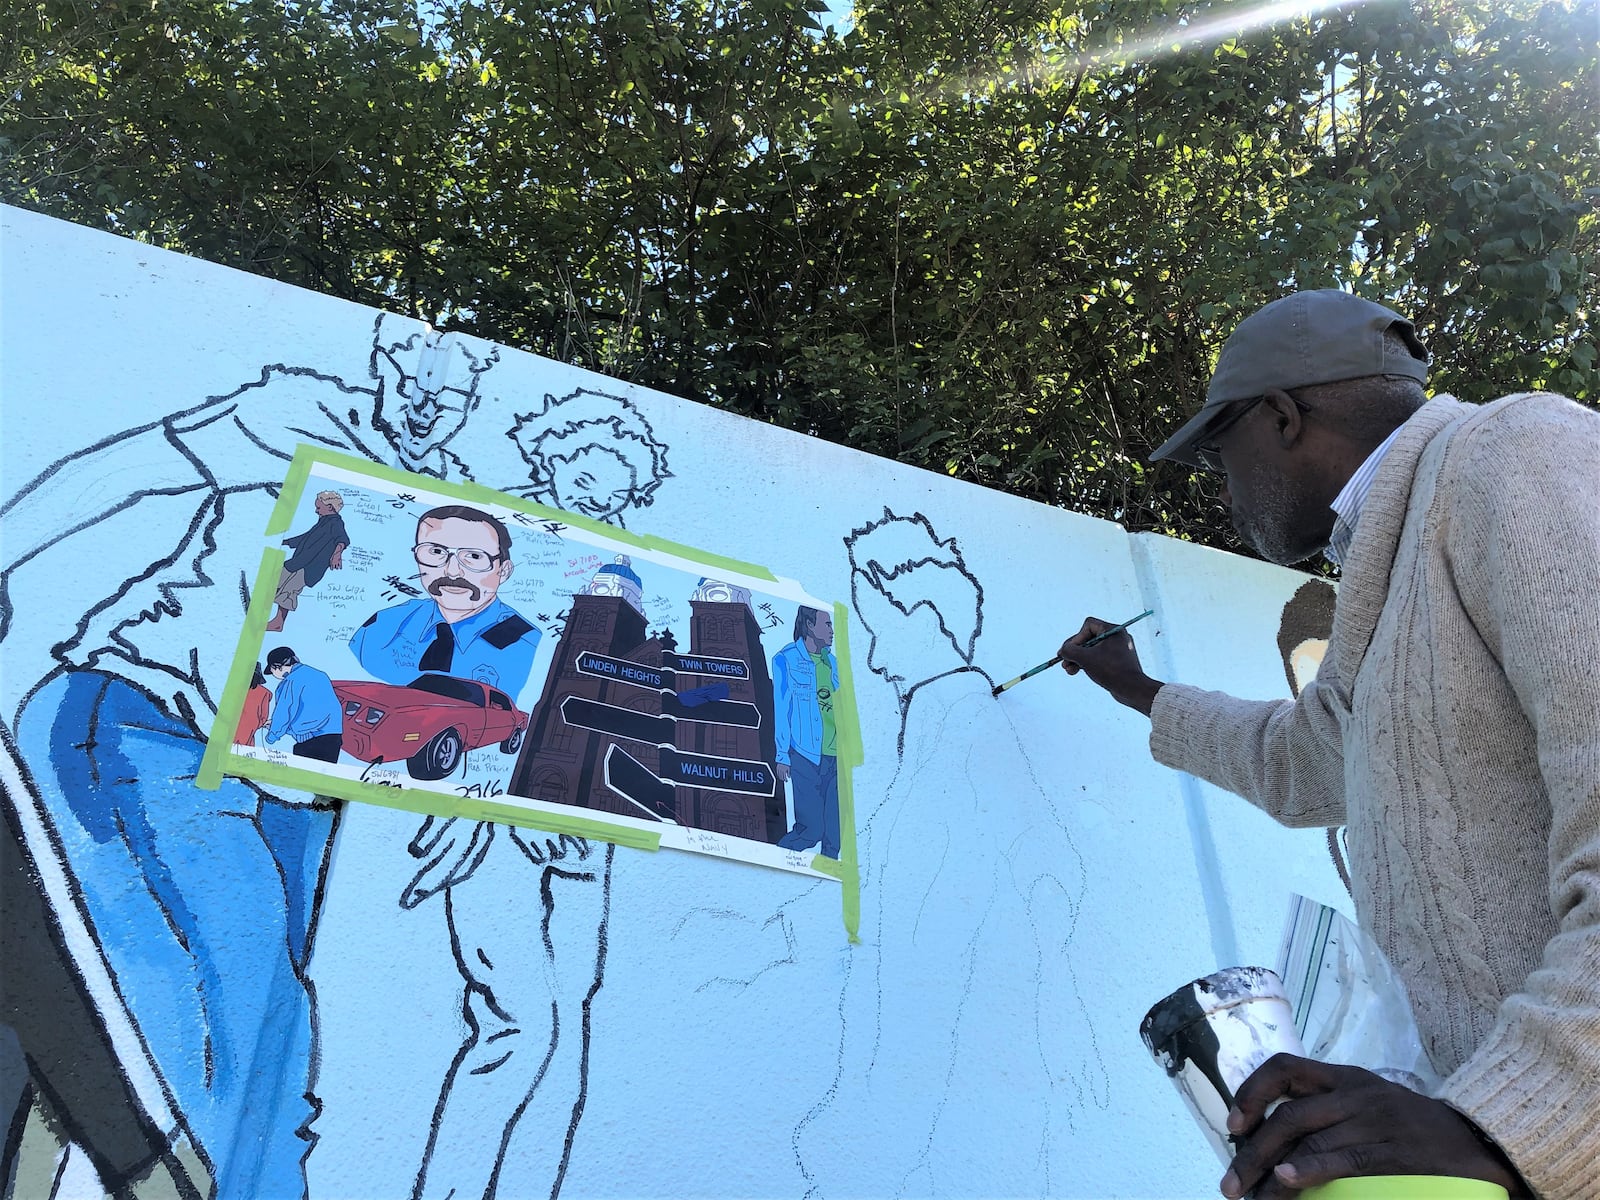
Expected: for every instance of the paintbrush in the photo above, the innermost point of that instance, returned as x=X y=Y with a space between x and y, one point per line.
x=1095 y=640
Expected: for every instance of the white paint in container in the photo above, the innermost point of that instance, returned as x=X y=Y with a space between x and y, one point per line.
x=1212 y=1034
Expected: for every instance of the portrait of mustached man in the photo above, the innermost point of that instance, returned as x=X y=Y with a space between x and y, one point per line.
x=460 y=627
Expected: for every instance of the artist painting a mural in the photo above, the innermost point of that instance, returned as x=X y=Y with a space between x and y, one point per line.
x=562 y=920
x=535 y=548
x=1444 y=726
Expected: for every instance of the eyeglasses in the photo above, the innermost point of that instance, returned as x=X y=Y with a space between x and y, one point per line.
x=431 y=554
x=1210 y=452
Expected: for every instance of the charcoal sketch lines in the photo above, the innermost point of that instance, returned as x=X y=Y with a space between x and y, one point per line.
x=121 y=562
x=510 y=1089
x=529 y=940
x=590 y=452
x=970 y=881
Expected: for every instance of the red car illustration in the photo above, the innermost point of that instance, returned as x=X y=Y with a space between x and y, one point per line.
x=430 y=723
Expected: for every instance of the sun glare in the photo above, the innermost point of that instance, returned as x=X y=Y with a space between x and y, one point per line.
x=1145 y=45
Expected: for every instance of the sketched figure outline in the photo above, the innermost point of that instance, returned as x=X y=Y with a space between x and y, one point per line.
x=147 y=507
x=948 y=888
x=502 y=1064
x=497 y=1063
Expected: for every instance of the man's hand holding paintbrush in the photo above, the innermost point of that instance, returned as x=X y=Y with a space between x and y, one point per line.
x=1112 y=662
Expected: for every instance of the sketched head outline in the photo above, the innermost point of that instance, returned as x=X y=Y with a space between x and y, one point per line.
x=420 y=416
x=899 y=566
x=590 y=453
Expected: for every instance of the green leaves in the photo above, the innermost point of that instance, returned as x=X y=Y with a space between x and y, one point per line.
x=999 y=240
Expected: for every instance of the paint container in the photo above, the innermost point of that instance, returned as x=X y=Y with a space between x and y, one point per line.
x=1210 y=1035
x=1406 y=1187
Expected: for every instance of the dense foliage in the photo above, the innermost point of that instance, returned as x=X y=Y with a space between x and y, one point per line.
x=995 y=238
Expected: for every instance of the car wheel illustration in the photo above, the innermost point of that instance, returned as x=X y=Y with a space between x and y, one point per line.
x=513 y=743
x=438 y=758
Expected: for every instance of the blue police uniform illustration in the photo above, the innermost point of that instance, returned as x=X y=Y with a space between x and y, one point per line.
x=494 y=646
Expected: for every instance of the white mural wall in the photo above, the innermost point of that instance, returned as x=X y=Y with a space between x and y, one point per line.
x=239 y=964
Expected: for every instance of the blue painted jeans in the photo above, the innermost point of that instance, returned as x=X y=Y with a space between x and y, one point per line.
x=816 y=804
x=202 y=902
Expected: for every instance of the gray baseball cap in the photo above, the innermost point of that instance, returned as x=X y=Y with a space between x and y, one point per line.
x=1303 y=339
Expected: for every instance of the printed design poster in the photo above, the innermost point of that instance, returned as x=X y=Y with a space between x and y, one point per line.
x=463 y=653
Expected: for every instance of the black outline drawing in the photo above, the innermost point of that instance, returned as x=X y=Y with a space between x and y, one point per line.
x=584 y=421
x=900 y=567
x=498 y=1009
x=431 y=412
x=894 y=547
x=515 y=1001
x=187 y=468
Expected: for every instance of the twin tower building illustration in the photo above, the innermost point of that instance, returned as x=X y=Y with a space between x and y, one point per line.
x=629 y=722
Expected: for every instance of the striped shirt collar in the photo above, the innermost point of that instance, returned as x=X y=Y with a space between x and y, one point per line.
x=1347 y=504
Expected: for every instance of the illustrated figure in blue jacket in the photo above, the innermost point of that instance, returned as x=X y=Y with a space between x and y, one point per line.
x=805 y=677
x=460 y=627
x=305 y=708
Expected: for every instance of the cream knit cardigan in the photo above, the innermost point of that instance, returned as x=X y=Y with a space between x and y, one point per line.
x=1455 y=728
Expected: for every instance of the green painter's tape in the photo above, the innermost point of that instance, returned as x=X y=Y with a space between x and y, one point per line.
x=241 y=669
x=719 y=561
x=847 y=732
x=294 y=485
x=436 y=804
x=826 y=866
x=849 y=746
x=487 y=495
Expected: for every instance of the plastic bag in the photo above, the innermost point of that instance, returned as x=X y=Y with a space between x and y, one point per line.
x=1349 y=1005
